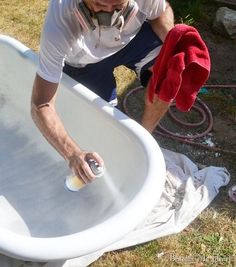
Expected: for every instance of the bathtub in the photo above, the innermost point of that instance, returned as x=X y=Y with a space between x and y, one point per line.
x=40 y=219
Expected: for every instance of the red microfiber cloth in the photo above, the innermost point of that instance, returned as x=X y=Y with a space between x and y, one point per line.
x=181 y=68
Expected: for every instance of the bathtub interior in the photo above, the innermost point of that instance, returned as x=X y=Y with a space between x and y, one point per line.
x=33 y=200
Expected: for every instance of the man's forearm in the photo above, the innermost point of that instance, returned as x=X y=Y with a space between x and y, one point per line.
x=154 y=112
x=50 y=125
x=163 y=24
x=44 y=114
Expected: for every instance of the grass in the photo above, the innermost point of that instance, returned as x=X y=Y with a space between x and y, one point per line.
x=221 y=102
x=207 y=242
x=211 y=239
x=187 y=11
x=192 y=11
x=22 y=19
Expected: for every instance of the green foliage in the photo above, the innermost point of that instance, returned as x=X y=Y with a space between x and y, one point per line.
x=187 y=11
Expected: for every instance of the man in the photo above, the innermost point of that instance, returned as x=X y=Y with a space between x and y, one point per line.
x=85 y=37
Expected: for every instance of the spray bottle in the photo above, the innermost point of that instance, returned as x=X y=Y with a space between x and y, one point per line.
x=74 y=183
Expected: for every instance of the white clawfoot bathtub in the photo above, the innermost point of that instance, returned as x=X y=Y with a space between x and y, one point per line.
x=39 y=219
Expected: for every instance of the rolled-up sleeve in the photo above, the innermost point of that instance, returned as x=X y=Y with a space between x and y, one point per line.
x=53 y=45
x=50 y=61
x=154 y=8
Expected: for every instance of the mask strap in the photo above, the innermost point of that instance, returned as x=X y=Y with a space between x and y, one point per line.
x=122 y=23
x=130 y=12
x=82 y=13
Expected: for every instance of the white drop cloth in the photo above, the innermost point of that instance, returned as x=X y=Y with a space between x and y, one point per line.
x=188 y=191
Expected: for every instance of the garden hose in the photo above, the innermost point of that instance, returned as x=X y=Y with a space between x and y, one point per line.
x=201 y=108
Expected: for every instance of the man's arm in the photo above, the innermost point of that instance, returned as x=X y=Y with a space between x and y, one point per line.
x=154 y=112
x=47 y=120
x=164 y=23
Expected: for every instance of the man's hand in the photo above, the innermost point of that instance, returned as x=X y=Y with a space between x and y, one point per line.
x=80 y=167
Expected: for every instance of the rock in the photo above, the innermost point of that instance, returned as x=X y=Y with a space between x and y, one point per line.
x=227 y=2
x=225 y=22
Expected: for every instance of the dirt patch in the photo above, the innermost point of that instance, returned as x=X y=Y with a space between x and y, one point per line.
x=222 y=103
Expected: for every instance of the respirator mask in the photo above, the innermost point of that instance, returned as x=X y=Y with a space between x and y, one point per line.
x=116 y=18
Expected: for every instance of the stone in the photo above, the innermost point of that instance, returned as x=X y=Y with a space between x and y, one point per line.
x=227 y=2
x=225 y=22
